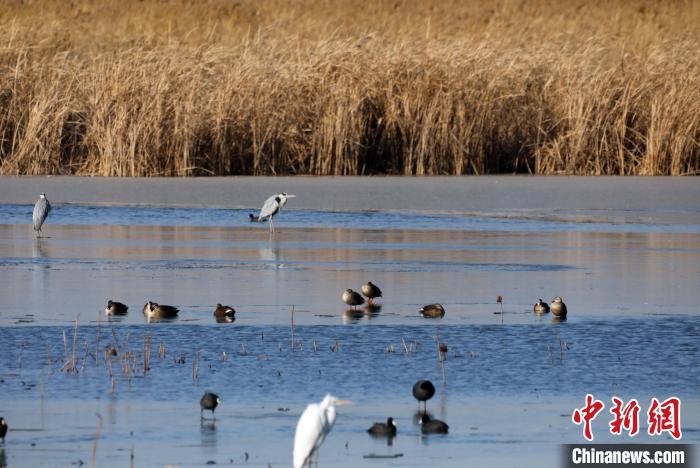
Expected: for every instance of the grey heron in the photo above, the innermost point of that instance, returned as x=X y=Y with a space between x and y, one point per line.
x=351 y=298
x=115 y=308
x=209 y=402
x=371 y=291
x=423 y=390
x=270 y=208
x=314 y=425
x=42 y=208
x=383 y=429
x=432 y=311
x=224 y=314
x=558 y=307
x=432 y=426
x=541 y=307
x=153 y=310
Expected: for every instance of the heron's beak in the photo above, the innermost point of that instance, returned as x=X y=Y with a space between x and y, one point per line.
x=344 y=402
x=289 y=195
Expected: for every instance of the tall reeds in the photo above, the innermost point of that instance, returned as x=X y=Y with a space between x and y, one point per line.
x=405 y=87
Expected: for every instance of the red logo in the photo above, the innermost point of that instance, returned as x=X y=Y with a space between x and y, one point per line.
x=662 y=417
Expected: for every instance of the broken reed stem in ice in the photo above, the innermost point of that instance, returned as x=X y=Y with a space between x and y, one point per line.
x=405 y=348
x=161 y=351
x=195 y=365
x=97 y=438
x=19 y=358
x=65 y=349
x=292 y=327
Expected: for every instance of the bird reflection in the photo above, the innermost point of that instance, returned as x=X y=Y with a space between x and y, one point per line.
x=352 y=316
x=270 y=255
x=418 y=415
x=3 y=458
x=39 y=249
x=372 y=310
x=208 y=433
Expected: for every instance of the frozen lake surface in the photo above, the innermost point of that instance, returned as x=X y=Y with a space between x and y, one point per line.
x=623 y=253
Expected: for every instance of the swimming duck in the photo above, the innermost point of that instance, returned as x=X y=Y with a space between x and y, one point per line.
x=153 y=310
x=351 y=298
x=558 y=307
x=371 y=291
x=541 y=307
x=432 y=426
x=224 y=314
x=115 y=308
x=382 y=429
x=432 y=311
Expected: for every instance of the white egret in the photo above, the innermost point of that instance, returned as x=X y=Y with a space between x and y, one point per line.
x=41 y=211
x=271 y=207
x=314 y=425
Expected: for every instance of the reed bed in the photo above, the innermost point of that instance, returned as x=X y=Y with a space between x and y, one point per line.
x=270 y=87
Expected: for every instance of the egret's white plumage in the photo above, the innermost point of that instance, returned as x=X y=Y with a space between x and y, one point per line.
x=271 y=207
x=41 y=211
x=314 y=425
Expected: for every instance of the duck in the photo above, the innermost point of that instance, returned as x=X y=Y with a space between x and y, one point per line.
x=423 y=390
x=209 y=402
x=371 y=291
x=224 y=314
x=115 y=308
x=352 y=298
x=432 y=311
x=383 y=429
x=558 y=307
x=541 y=307
x=153 y=310
x=432 y=426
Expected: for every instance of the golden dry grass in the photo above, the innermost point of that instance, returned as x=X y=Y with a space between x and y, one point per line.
x=180 y=87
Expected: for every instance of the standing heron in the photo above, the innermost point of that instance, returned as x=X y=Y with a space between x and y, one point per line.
x=314 y=425
x=41 y=211
x=271 y=207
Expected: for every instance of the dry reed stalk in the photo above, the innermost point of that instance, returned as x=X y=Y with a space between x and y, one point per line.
x=48 y=357
x=357 y=88
x=292 y=327
x=97 y=339
x=96 y=440
x=66 y=366
x=114 y=337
